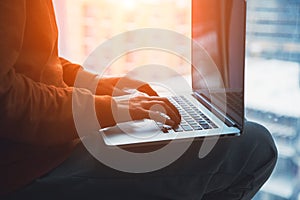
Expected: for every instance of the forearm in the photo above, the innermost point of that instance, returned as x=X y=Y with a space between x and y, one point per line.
x=37 y=113
x=43 y=115
x=71 y=72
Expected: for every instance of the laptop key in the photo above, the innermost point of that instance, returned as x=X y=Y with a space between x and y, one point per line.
x=178 y=129
x=197 y=128
x=202 y=122
x=184 y=123
x=206 y=126
x=197 y=118
x=192 y=117
x=189 y=120
x=187 y=128
x=193 y=122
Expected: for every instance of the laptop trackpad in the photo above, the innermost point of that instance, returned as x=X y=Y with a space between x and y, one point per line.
x=131 y=131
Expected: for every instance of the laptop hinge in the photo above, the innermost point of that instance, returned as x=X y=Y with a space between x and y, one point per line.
x=229 y=122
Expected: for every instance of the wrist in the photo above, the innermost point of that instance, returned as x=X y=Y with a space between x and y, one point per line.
x=104 y=106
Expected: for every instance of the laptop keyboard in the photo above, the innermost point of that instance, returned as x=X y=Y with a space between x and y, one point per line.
x=191 y=117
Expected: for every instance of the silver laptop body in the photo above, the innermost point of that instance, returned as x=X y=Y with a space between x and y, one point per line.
x=218 y=26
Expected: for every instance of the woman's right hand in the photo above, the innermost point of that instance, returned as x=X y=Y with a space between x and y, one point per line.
x=113 y=110
x=159 y=109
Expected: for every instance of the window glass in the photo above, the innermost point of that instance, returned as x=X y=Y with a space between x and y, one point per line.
x=86 y=24
x=273 y=95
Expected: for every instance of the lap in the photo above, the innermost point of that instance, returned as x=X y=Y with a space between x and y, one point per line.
x=81 y=175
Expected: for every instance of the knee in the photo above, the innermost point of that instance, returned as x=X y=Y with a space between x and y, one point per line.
x=263 y=143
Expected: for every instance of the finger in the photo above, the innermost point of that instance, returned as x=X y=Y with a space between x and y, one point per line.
x=150 y=99
x=158 y=117
x=174 y=116
x=139 y=113
x=165 y=100
x=162 y=107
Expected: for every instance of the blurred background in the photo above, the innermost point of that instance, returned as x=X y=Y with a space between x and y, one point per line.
x=272 y=62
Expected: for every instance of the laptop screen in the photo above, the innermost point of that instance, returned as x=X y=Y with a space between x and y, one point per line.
x=218 y=28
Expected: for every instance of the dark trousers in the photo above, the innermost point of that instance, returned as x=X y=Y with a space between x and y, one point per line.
x=236 y=168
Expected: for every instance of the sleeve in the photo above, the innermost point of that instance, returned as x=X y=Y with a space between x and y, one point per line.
x=70 y=71
x=32 y=112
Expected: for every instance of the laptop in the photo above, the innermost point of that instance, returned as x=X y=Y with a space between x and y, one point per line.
x=207 y=111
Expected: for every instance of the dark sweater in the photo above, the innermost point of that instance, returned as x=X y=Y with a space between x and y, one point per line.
x=37 y=130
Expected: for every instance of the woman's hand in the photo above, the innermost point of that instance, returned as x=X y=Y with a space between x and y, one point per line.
x=113 y=110
x=115 y=104
x=117 y=86
x=144 y=107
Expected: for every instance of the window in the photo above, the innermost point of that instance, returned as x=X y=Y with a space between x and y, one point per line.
x=273 y=93
x=85 y=24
